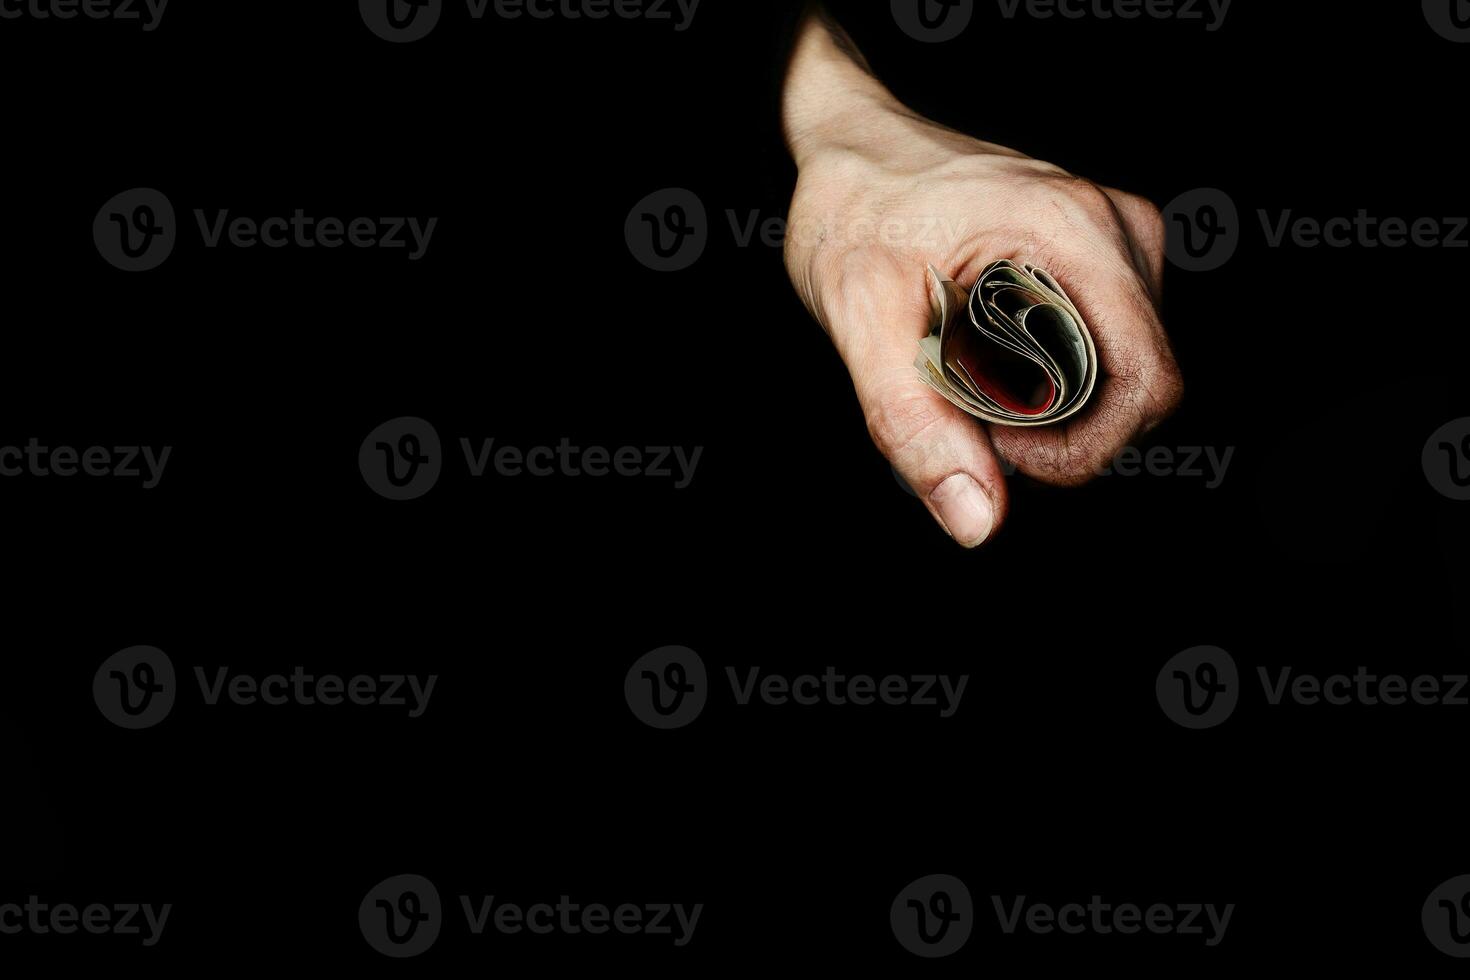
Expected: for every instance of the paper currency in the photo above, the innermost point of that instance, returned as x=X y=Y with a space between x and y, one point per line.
x=1014 y=351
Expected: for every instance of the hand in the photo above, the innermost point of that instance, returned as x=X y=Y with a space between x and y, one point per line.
x=883 y=193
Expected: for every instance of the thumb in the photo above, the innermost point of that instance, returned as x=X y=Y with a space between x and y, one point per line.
x=943 y=454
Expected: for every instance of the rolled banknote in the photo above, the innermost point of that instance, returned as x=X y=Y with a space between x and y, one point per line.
x=1013 y=351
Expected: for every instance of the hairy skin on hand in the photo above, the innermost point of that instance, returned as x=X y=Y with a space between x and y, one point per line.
x=882 y=193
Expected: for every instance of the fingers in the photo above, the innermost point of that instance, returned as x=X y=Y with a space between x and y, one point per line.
x=1138 y=381
x=942 y=453
x=1106 y=247
x=1144 y=226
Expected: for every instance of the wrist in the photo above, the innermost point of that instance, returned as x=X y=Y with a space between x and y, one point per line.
x=830 y=99
x=834 y=108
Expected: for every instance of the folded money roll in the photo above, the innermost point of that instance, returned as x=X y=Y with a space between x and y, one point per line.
x=1014 y=352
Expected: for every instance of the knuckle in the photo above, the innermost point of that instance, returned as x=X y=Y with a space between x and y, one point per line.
x=862 y=264
x=1083 y=196
x=1147 y=218
x=1150 y=216
x=1166 y=388
x=848 y=276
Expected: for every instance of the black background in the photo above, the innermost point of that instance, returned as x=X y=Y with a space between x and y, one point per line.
x=794 y=548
